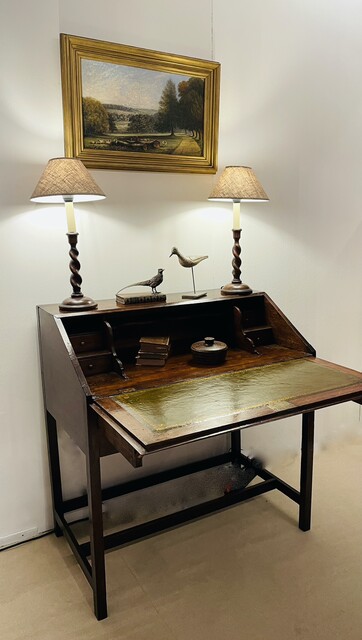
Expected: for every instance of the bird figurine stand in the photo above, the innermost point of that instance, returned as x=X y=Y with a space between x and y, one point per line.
x=189 y=263
x=155 y=296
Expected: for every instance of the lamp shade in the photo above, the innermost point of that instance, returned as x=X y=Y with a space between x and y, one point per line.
x=238 y=183
x=66 y=179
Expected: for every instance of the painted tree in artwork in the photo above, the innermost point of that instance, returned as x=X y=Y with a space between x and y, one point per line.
x=140 y=123
x=191 y=105
x=167 y=116
x=95 y=117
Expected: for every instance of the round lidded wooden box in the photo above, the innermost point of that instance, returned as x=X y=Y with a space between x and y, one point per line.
x=209 y=351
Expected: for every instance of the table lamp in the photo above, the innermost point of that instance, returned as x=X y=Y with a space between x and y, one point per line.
x=67 y=180
x=237 y=184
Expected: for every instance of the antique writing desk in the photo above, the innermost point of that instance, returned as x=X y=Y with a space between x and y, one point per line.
x=94 y=391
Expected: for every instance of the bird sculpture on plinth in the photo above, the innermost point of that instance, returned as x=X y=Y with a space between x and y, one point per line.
x=152 y=282
x=189 y=263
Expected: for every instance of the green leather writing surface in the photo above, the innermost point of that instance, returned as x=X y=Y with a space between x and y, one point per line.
x=222 y=395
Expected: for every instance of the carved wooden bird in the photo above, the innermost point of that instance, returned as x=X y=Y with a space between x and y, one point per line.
x=152 y=282
x=186 y=262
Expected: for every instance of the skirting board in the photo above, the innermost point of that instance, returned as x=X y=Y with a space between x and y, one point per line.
x=17 y=538
x=30 y=534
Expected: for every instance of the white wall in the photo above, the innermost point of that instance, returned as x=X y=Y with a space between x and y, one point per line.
x=290 y=107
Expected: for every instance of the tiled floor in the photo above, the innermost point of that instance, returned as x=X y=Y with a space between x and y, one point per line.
x=245 y=573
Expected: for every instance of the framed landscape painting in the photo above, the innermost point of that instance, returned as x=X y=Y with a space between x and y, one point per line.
x=137 y=109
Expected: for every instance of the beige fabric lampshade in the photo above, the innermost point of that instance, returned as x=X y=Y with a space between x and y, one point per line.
x=66 y=178
x=238 y=183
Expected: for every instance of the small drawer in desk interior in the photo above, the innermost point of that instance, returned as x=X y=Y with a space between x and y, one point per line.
x=86 y=342
x=95 y=363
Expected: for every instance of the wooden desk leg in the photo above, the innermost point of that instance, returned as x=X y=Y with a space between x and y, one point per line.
x=55 y=476
x=306 y=471
x=96 y=518
x=235 y=446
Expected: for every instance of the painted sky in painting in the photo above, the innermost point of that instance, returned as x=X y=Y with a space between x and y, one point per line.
x=120 y=84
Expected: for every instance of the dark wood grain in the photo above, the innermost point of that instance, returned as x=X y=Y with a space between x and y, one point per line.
x=182 y=367
x=66 y=390
x=284 y=331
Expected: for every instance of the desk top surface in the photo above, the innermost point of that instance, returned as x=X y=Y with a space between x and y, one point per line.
x=111 y=306
x=186 y=410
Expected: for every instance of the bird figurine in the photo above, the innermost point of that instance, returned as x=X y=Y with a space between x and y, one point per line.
x=152 y=282
x=186 y=262
x=189 y=263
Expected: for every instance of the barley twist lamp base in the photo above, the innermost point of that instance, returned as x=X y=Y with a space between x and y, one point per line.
x=77 y=301
x=236 y=286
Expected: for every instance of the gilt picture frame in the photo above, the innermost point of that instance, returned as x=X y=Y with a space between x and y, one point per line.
x=136 y=109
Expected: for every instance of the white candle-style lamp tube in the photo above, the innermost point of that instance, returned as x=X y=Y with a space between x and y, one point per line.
x=69 y=211
x=236 y=214
x=66 y=180
x=237 y=184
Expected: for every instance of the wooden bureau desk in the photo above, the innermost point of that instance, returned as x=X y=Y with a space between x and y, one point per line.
x=107 y=404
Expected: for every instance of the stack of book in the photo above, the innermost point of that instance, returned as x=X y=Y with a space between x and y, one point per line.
x=153 y=351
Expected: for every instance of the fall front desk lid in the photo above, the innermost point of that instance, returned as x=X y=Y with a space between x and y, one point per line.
x=242 y=397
